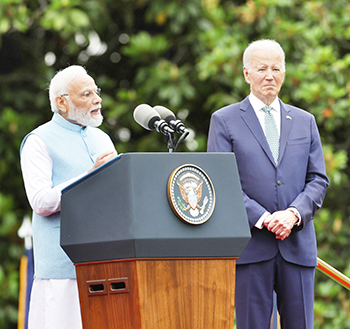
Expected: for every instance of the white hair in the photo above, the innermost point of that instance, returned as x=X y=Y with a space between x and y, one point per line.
x=59 y=84
x=262 y=44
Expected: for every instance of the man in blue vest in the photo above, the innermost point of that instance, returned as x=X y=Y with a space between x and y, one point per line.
x=53 y=156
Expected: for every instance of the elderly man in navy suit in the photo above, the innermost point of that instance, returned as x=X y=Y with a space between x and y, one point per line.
x=282 y=171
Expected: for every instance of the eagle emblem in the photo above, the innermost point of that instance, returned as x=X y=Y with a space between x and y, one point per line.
x=191 y=186
x=191 y=194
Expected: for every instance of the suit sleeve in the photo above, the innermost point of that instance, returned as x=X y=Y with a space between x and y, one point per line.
x=218 y=137
x=311 y=198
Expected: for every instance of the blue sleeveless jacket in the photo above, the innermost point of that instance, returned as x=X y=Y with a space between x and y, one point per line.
x=73 y=150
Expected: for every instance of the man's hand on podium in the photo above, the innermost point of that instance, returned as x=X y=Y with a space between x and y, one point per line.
x=103 y=158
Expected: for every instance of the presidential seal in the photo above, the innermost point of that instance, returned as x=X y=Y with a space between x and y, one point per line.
x=191 y=194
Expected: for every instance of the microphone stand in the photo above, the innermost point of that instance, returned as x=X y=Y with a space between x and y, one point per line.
x=181 y=138
x=169 y=137
x=170 y=141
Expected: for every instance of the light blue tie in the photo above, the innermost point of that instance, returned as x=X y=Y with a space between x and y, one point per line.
x=271 y=132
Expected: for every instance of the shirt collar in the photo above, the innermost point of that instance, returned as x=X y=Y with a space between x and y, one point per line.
x=258 y=104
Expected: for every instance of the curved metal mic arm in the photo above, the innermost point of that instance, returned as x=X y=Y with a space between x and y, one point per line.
x=181 y=138
x=170 y=142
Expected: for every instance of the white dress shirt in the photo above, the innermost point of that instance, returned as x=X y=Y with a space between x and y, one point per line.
x=257 y=105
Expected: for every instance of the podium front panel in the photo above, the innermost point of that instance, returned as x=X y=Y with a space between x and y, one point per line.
x=121 y=211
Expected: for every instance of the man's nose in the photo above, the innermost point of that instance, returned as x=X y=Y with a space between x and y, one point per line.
x=269 y=74
x=97 y=99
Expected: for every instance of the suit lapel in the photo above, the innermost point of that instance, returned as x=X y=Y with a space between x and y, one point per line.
x=286 y=125
x=252 y=121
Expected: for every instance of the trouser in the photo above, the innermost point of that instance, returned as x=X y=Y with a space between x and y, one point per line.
x=293 y=284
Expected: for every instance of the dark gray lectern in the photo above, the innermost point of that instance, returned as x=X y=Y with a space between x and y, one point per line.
x=138 y=265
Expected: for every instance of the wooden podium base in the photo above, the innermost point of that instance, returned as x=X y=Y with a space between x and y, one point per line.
x=157 y=294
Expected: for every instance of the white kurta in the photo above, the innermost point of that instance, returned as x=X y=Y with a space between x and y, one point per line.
x=54 y=303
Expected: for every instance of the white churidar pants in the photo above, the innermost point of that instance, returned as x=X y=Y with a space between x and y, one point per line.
x=54 y=304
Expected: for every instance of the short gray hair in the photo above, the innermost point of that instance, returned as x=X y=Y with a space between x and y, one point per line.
x=260 y=44
x=59 y=84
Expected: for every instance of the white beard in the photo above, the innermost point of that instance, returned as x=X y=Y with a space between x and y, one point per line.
x=83 y=117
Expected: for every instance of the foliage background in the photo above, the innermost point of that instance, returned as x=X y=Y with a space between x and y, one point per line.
x=187 y=56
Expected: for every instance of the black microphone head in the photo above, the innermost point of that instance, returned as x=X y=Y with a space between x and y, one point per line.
x=146 y=116
x=165 y=113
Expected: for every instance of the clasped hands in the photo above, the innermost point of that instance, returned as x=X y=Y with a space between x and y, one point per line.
x=281 y=223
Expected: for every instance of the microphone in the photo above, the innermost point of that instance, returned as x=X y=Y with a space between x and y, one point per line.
x=170 y=118
x=149 y=119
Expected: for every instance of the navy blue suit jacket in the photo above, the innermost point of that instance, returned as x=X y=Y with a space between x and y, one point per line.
x=298 y=181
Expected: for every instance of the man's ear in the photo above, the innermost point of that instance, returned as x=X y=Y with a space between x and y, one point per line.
x=62 y=104
x=245 y=72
